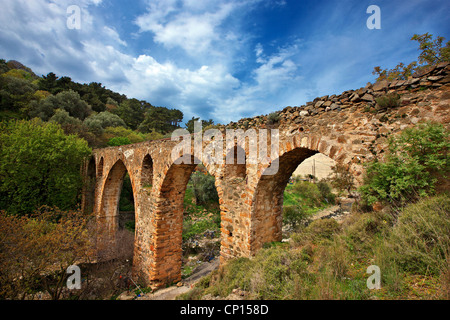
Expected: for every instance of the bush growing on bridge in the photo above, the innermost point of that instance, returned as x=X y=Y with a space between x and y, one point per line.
x=388 y=101
x=415 y=160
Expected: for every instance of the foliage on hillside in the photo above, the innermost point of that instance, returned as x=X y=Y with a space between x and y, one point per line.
x=82 y=109
x=48 y=125
x=39 y=165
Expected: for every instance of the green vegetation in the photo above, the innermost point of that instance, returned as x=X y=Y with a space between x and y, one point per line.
x=86 y=110
x=39 y=165
x=48 y=125
x=388 y=101
x=431 y=53
x=327 y=260
x=302 y=199
x=417 y=159
x=201 y=205
x=273 y=118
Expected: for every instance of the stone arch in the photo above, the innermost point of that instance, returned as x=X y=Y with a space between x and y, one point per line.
x=108 y=216
x=147 y=171
x=267 y=199
x=100 y=167
x=89 y=187
x=238 y=167
x=267 y=202
x=168 y=210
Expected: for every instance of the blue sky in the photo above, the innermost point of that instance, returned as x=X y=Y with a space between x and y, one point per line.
x=223 y=59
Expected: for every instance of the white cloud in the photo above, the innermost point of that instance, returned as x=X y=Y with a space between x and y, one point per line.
x=112 y=34
x=191 y=25
x=95 y=53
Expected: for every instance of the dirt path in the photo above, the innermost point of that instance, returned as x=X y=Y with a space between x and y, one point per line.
x=172 y=292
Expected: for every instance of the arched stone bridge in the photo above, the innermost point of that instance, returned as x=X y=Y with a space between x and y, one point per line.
x=349 y=128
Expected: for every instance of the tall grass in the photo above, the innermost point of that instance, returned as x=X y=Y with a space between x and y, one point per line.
x=327 y=260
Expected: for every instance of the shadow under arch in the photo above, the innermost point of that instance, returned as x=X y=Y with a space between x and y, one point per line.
x=108 y=217
x=89 y=186
x=236 y=163
x=267 y=203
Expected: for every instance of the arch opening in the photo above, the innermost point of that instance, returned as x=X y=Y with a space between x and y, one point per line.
x=268 y=199
x=89 y=187
x=116 y=239
x=100 y=167
x=147 y=172
x=189 y=231
x=236 y=163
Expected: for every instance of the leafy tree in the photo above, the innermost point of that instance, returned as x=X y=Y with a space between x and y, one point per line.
x=3 y=66
x=15 y=93
x=35 y=252
x=190 y=125
x=204 y=188
x=432 y=52
x=342 y=179
x=132 y=111
x=118 y=141
x=102 y=120
x=414 y=162
x=39 y=165
x=176 y=116
x=62 y=117
x=72 y=103
x=295 y=216
x=18 y=73
x=69 y=101
x=48 y=82
x=160 y=119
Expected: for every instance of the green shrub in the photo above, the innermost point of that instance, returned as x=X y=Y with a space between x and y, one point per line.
x=421 y=237
x=295 y=216
x=388 y=101
x=342 y=179
x=323 y=228
x=414 y=161
x=325 y=192
x=309 y=193
x=39 y=165
x=118 y=141
x=204 y=188
x=273 y=118
x=193 y=228
x=362 y=231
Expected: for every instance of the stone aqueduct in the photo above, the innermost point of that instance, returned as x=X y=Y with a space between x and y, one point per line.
x=349 y=128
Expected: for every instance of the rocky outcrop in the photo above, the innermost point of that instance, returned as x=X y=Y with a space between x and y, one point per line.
x=361 y=99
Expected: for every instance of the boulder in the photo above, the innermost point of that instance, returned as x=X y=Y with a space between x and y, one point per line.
x=380 y=85
x=368 y=97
